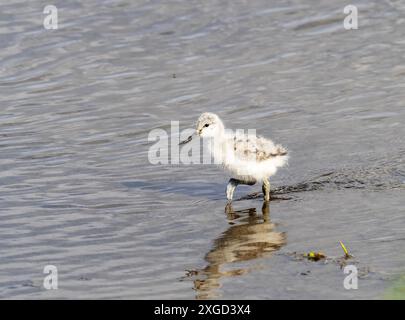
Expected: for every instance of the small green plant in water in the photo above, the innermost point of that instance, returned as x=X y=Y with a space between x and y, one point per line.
x=347 y=254
x=315 y=256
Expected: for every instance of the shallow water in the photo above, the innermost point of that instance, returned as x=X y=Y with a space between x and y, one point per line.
x=77 y=190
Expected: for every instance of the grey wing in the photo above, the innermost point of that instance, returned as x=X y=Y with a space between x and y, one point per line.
x=254 y=148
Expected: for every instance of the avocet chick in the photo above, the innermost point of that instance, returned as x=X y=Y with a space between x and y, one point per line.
x=247 y=157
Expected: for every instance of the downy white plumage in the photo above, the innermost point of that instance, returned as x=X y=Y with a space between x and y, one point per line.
x=247 y=157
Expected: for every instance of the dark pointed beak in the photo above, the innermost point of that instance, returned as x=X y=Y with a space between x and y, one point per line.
x=186 y=141
x=197 y=133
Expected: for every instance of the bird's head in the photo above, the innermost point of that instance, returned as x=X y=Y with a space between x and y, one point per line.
x=209 y=125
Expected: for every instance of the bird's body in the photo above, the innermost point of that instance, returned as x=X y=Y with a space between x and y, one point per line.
x=247 y=157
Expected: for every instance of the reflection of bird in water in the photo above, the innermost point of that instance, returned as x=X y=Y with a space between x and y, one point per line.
x=250 y=236
x=247 y=157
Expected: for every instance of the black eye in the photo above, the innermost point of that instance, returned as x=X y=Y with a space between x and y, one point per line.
x=206 y=125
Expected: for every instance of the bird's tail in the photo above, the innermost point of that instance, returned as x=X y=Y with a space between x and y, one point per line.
x=280 y=156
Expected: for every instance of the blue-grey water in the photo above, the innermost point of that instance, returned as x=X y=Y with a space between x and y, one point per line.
x=77 y=190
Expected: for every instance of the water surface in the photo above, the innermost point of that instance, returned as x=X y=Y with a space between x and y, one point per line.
x=77 y=190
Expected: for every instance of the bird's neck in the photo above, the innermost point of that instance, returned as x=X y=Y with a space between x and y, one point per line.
x=217 y=147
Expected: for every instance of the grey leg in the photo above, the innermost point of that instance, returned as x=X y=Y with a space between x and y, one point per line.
x=230 y=188
x=233 y=183
x=266 y=189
